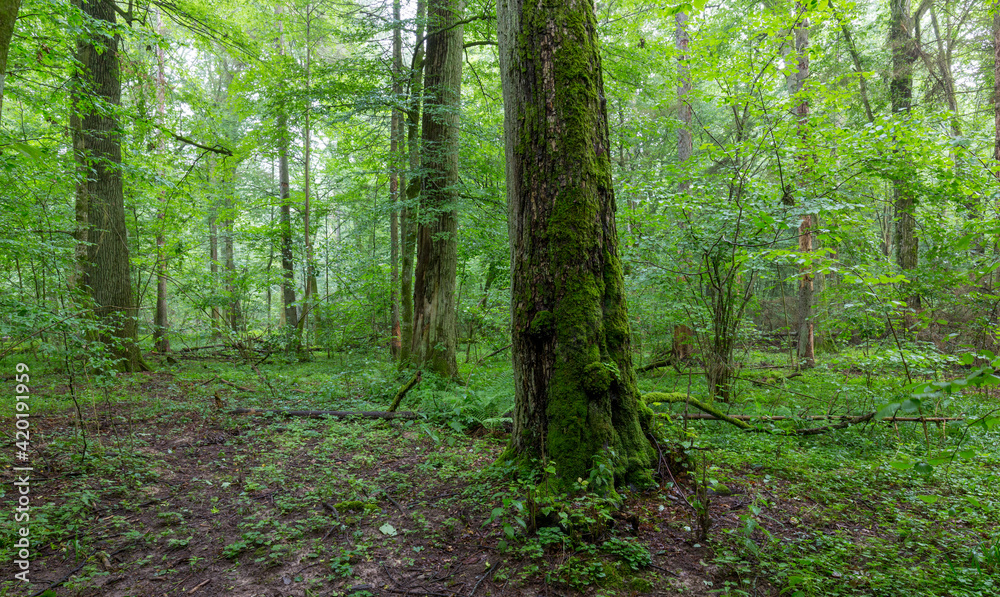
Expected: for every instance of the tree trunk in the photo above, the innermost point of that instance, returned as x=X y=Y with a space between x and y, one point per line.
x=996 y=82
x=8 y=16
x=108 y=271
x=407 y=216
x=683 y=341
x=433 y=342
x=804 y=322
x=576 y=399
x=213 y=258
x=289 y=311
x=395 y=137
x=309 y=292
x=901 y=96
x=161 y=340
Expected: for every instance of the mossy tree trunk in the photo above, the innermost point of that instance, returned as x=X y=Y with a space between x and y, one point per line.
x=575 y=389
x=433 y=340
x=107 y=273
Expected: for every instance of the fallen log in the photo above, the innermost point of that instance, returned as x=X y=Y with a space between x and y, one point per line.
x=741 y=420
x=820 y=418
x=364 y=414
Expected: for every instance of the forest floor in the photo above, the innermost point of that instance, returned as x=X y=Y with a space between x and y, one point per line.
x=163 y=491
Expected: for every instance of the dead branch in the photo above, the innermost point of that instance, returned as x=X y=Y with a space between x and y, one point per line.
x=402 y=392
x=377 y=414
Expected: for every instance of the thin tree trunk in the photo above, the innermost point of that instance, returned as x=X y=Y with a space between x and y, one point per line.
x=683 y=340
x=310 y=272
x=108 y=270
x=395 y=137
x=161 y=339
x=856 y=60
x=804 y=322
x=289 y=312
x=576 y=400
x=213 y=259
x=408 y=215
x=901 y=96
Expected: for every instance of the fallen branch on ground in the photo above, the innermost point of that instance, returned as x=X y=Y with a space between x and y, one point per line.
x=364 y=414
x=740 y=420
x=822 y=417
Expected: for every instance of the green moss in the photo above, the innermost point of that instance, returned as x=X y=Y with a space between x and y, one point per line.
x=542 y=324
x=350 y=506
x=596 y=378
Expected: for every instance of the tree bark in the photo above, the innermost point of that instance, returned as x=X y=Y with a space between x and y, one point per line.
x=901 y=96
x=161 y=339
x=289 y=311
x=8 y=16
x=395 y=139
x=996 y=82
x=108 y=271
x=683 y=340
x=804 y=322
x=575 y=389
x=407 y=216
x=433 y=342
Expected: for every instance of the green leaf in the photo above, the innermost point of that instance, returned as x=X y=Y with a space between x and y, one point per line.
x=388 y=529
x=967 y=358
x=887 y=411
x=928 y=499
x=901 y=465
x=923 y=468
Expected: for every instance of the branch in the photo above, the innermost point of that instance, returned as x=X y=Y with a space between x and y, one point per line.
x=327 y=413
x=216 y=148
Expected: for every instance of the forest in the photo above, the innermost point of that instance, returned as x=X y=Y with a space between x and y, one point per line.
x=454 y=298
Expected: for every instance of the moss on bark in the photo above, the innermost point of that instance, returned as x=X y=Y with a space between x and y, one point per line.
x=576 y=397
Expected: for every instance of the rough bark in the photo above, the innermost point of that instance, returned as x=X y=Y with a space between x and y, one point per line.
x=8 y=16
x=408 y=214
x=161 y=339
x=433 y=343
x=107 y=274
x=575 y=389
x=901 y=96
